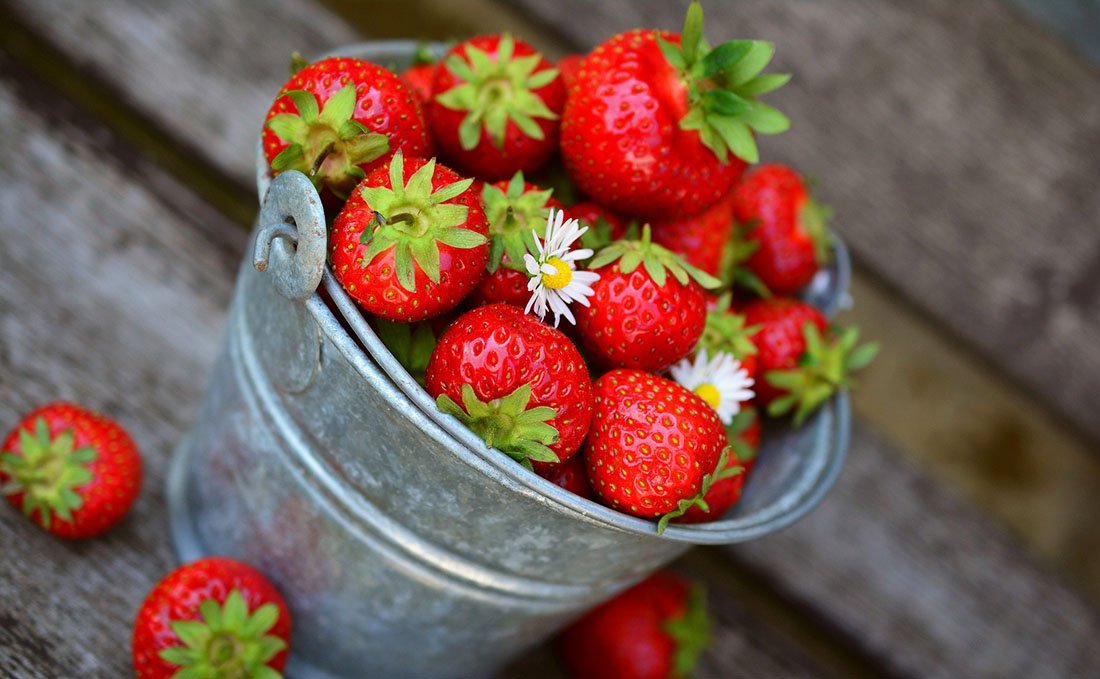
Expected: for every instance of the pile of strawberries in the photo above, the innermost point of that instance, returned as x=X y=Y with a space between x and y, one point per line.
x=470 y=201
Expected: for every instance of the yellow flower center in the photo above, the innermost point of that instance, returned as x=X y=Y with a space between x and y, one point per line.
x=709 y=393
x=560 y=279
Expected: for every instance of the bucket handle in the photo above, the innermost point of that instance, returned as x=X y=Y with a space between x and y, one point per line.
x=292 y=212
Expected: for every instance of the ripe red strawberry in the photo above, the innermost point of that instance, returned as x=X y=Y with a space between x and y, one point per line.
x=522 y=384
x=419 y=75
x=801 y=359
x=496 y=107
x=339 y=119
x=570 y=475
x=640 y=316
x=73 y=472
x=785 y=223
x=652 y=118
x=744 y=438
x=568 y=66
x=212 y=618
x=654 y=630
x=726 y=332
x=701 y=240
x=410 y=250
x=513 y=209
x=651 y=445
x=604 y=226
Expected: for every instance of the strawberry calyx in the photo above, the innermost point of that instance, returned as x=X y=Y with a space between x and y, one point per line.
x=47 y=472
x=722 y=85
x=721 y=471
x=414 y=219
x=326 y=144
x=657 y=260
x=507 y=424
x=512 y=215
x=813 y=217
x=497 y=91
x=228 y=642
x=725 y=332
x=690 y=631
x=823 y=369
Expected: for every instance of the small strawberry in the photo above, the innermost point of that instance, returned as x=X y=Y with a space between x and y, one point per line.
x=570 y=475
x=496 y=107
x=802 y=360
x=419 y=75
x=73 y=472
x=654 y=630
x=653 y=117
x=523 y=386
x=212 y=618
x=652 y=444
x=514 y=209
x=701 y=240
x=725 y=332
x=604 y=226
x=648 y=308
x=406 y=251
x=744 y=437
x=786 y=225
x=339 y=119
x=568 y=66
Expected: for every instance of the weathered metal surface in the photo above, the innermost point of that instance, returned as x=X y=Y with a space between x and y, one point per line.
x=403 y=545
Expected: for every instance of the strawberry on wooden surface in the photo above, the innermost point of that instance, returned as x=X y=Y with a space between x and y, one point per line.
x=73 y=472
x=648 y=309
x=515 y=210
x=802 y=361
x=516 y=382
x=496 y=107
x=407 y=250
x=213 y=618
x=786 y=225
x=654 y=630
x=659 y=125
x=339 y=119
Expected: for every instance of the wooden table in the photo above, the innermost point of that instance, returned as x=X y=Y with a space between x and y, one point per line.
x=959 y=145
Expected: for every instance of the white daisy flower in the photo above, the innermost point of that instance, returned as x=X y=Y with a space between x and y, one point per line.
x=555 y=282
x=720 y=381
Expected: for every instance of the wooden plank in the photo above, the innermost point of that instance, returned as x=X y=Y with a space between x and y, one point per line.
x=973 y=201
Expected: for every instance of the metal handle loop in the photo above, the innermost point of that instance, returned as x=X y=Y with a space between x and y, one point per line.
x=291 y=241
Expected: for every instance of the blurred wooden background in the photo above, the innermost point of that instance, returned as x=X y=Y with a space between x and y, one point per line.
x=959 y=144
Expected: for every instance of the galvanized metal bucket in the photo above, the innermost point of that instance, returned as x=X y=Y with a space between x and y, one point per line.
x=405 y=547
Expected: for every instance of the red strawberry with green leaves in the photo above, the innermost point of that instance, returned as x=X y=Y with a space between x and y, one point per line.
x=726 y=332
x=654 y=445
x=786 y=225
x=410 y=249
x=514 y=209
x=420 y=74
x=744 y=438
x=802 y=360
x=648 y=308
x=73 y=472
x=570 y=475
x=496 y=107
x=654 y=630
x=522 y=385
x=701 y=240
x=212 y=618
x=339 y=119
x=659 y=125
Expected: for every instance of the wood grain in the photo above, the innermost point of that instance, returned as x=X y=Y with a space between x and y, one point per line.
x=973 y=199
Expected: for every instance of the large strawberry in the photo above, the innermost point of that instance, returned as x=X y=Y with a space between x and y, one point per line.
x=515 y=210
x=648 y=308
x=802 y=361
x=214 y=618
x=654 y=630
x=652 y=444
x=785 y=223
x=522 y=385
x=701 y=240
x=660 y=125
x=410 y=250
x=496 y=107
x=339 y=119
x=73 y=472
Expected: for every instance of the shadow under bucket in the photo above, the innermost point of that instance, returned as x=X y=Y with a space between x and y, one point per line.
x=403 y=546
